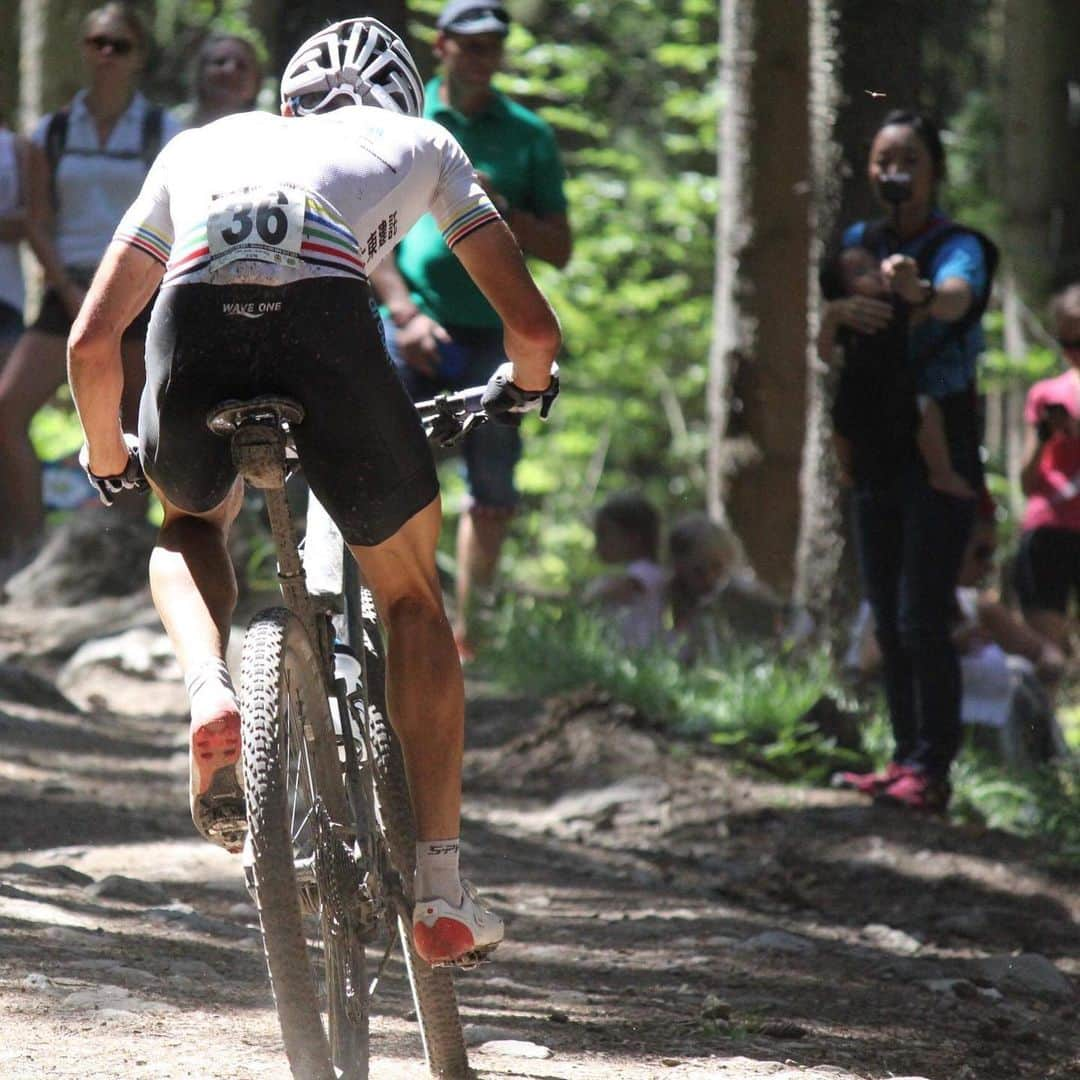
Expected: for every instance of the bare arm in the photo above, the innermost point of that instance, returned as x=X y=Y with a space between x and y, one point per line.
x=1014 y=636
x=39 y=225
x=418 y=334
x=531 y=333
x=950 y=301
x=546 y=238
x=1032 y=455
x=122 y=286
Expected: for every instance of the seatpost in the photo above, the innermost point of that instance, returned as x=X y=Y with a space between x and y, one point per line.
x=258 y=452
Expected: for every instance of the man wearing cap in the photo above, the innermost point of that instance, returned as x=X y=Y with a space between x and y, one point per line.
x=441 y=332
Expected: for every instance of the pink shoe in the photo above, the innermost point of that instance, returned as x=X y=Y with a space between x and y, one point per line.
x=872 y=783
x=916 y=791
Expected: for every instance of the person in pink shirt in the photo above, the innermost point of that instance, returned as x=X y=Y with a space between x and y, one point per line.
x=1048 y=563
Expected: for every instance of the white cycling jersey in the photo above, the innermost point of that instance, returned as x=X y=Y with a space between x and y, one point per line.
x=262 y=199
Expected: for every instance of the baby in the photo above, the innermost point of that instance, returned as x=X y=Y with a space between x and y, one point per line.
x=875 y=397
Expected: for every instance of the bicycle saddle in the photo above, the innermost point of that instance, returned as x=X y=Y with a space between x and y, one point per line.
x=230 y=415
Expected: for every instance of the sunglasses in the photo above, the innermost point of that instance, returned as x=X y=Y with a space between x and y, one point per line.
x=120 y=46
x=1070 y=343
x=984 y=552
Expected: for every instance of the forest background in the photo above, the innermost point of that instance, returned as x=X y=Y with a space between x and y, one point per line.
x=713 y=149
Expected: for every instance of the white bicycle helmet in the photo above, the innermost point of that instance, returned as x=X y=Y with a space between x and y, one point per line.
x=359 y=58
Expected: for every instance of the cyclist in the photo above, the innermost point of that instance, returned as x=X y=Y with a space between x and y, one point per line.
x=262 y=231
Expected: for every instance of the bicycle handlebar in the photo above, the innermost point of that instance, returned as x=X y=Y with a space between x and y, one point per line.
x=448 y=417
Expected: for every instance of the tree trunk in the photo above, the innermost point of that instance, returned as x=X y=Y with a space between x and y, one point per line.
x=821 y=543
x=757 y=392
x=49 y=33
x=1041 y=144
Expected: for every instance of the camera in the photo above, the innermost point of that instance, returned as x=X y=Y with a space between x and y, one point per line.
x=1053 y=411
x=895 y=188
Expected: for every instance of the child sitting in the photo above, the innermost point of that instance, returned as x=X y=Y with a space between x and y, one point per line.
x=627 y=530
x=875 y=404
x=715 y=601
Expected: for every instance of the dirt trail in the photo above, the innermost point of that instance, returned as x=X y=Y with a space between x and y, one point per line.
x=665 y=918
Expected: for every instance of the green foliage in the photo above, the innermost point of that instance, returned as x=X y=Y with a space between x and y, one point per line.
x=630 y=88
x=754 y=705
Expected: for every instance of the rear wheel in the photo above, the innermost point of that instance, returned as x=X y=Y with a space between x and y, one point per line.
x=299 y=856
x=432 y=988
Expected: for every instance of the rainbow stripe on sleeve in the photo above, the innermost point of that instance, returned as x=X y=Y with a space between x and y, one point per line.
x=155 y=244
x=468 y=221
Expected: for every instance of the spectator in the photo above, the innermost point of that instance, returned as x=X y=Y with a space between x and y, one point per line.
x=98 y=150
x=441 y=333
x=226 y=78
x=715 y=601
x=1048 y=563
x=911 y=537
x=633 y=597
x=24 y=214
x=1007 y=669
x=875 y=397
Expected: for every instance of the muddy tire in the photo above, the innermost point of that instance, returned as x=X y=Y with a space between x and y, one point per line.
x=281 y=695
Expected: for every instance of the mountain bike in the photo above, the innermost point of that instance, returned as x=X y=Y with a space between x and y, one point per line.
x=329 y=850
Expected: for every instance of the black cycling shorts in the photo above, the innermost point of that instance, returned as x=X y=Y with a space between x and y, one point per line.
x=318 y=341
x=1047 y=572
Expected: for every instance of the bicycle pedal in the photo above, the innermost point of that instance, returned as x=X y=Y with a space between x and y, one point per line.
x=468 y=961
x=230 y=833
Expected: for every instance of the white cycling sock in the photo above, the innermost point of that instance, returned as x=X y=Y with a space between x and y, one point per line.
x=211 y=675
x=437 y=874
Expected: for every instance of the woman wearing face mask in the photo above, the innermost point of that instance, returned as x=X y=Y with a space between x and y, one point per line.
x=911 y=535
x=226 y=78
x=98 y=150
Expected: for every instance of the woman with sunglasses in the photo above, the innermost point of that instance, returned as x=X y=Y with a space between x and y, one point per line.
x=226 y=78
x=1048 y=562
x=97 y=155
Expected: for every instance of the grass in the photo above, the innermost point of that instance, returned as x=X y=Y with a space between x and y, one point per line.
x=754 y=706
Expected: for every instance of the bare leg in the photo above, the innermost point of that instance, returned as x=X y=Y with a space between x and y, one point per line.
x=479 y=540
x=425 y=689
x=30 y=377
x=935 y=452
x=194 y=585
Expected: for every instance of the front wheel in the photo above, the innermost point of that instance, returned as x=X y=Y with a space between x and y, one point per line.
x=299 y=855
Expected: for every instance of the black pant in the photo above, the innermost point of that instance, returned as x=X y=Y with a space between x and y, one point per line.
x=911 y=540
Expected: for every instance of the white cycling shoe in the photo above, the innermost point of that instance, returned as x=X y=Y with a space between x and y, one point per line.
x=461 y=936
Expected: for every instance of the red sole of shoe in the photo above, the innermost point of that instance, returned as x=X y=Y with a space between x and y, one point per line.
x=215 y=746
x=444 y=942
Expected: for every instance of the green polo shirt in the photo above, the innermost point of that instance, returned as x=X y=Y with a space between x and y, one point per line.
x=517 y=150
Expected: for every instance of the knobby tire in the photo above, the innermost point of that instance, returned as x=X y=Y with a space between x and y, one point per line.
x=281 y=694
x=432 y=988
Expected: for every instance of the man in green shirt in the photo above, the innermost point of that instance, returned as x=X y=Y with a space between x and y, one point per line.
x=442 y=334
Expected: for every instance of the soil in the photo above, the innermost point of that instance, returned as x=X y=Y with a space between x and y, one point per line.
x=666 y=916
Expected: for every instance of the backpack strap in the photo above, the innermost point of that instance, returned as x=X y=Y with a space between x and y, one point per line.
x=57 y=131
x=55 y=140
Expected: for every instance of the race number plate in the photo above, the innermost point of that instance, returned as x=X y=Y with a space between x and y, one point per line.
x=264 y=224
